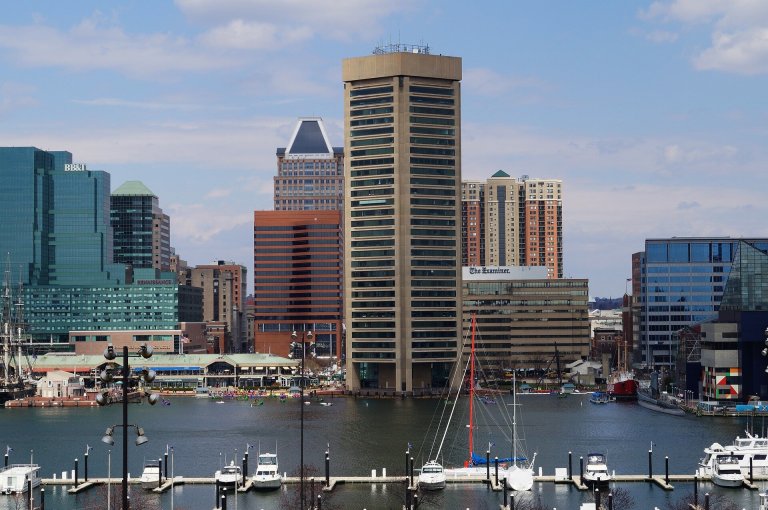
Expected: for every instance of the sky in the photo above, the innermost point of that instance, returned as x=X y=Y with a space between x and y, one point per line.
x=653 y=113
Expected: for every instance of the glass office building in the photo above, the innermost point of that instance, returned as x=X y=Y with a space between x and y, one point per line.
x=682 y=281
x=57 y=245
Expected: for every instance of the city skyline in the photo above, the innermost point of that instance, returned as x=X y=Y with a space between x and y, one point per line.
x=651 y=113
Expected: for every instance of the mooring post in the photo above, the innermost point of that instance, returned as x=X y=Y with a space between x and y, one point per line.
x=506 y=496
x=311 y=489
x=160 y=473
x=650 y=463
x=328 y=468
x=415 y=499
x=218 y=495
x=319 y=502
x=86 y=465
x=77 y=475
x=666 y=469
x=581 y=469
x=750 y=471
x=29 y=493
x=511 y=499
x=165 y=465
x=407 y=494
x=245 y=462
x=570 y=470
x=597 y=498
x=496 y=469
x=695 y=490
x=488 y=466
x=6 y=459
x=706 y=501
x=42 y=499
x=610 y=501
x=411 y=471
x=224 y=500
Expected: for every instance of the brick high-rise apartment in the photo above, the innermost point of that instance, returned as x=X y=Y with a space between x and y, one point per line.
x=402 y=283
x=513 y=222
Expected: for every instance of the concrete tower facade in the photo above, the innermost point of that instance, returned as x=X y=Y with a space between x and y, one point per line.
x=402 y=121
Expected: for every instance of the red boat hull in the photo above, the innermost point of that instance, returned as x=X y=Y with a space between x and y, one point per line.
x=623 y=390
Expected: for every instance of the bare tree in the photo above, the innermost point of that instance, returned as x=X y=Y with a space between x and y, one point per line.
x=715 y=501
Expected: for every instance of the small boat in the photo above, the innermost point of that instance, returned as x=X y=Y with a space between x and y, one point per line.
x=601 y=397
x=151 y=477
x=230 y=475
x=326 y=404
x=432 y=476
x=15 y=478
x=596 y=472
x=267 y=475
x=727 y=472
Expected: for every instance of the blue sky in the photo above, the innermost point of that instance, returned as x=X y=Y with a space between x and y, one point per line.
x=653 y=113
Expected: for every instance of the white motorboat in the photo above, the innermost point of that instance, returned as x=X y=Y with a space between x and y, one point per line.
x=267 y=475
x=230 y=475
x=150 y=477
x=596 y=471
x=727 y=472
x=432 y=476
x=750 y=450
x=763 y=501
x=15 y=478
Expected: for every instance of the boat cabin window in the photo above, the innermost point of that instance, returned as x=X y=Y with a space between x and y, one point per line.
x=432 y=470
x=761 y=456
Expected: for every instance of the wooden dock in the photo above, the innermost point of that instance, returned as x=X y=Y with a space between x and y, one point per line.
x=662 y=481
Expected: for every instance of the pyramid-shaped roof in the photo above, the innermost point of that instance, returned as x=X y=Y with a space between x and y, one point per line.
x=309 y=137
x=500 y=173
x=134 y=188
x=747 y=287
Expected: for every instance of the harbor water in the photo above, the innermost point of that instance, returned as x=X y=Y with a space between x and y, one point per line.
x=364 y=434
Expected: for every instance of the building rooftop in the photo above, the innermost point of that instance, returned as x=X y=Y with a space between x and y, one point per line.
x=134 y=188
x=83 y=362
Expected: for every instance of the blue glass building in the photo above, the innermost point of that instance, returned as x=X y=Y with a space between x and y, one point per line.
x=57 y=243
x=682 y=281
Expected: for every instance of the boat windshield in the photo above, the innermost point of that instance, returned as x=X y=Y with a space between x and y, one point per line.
x=432 y=469
x=267 y=460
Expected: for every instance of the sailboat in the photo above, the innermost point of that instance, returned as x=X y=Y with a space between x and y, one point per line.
x=13 y=383
x=519 y=476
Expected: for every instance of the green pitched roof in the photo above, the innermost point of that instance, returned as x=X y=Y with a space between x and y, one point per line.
x=135 y=188
x=500 y=173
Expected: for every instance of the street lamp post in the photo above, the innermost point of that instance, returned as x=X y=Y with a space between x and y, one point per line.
x=102 y=399
x=294 y=337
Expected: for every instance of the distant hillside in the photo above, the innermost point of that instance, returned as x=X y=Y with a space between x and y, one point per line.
x=606 y=304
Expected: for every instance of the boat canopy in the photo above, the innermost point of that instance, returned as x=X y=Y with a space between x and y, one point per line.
x=479 y=460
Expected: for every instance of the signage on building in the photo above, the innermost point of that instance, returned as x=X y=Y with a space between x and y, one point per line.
x=154 y=282
x=74 y=167
x=504 y=272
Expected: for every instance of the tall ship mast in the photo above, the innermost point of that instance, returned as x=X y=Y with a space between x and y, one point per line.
x=13 y=384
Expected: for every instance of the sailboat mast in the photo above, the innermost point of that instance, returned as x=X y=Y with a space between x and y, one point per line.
x=514 y=417
x=471 y=389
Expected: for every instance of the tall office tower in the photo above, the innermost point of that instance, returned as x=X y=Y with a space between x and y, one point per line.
x=310 y=173
x=224 y=292
x=297 y=284
x=679 y=283
x=142 y=233
x=402 y=120
x=472 y=223
x=54 y=225
x=517 y=221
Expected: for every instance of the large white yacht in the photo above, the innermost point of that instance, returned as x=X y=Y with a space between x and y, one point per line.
x=267 y=473
x=230 y=475
x=754 y=448
x=432 y=476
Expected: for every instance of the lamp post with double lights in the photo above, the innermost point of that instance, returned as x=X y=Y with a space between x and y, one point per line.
x=305 y=337
x=128 y=383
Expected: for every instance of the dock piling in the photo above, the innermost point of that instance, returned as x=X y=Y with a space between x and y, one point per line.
x=597 y=498
x=506 y=496
x=86 y=464
x=706 y=501
x=328 y=468
x=76 y=474
x=581 y=468
x=666 y=469
x=610 y=501
x=488 y=466
x=750 y=470
x=650 y=463
x=224 y=501
x=570 y=468
x=165 y=465
x=42 y=499
x=160 y=473
x=29 y=493
x=695 y=490
x=496 y=469
x=319 y=502
x=245 y=463
x=411 y=471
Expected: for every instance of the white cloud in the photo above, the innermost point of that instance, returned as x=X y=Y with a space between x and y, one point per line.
x=739 y=31
x=245 y=35
x=89 y=46
x=199 y=223
x=484 y=81
x=142 y=105
x=337 y=19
